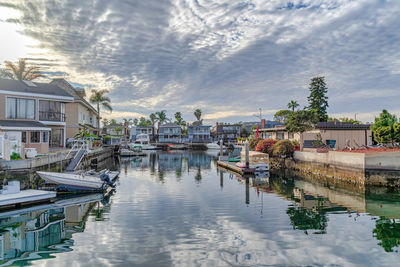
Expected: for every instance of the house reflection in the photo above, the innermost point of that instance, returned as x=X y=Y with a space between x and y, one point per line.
x=25 y=232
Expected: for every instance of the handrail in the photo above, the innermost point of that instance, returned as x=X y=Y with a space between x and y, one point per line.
x=75 y=146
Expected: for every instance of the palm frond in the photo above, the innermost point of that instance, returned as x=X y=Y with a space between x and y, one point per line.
x=107 y=106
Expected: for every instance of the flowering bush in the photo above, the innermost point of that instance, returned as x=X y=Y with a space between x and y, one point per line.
x=254 y=141
x=265 y=145
x=283 y=148
x=296 y=145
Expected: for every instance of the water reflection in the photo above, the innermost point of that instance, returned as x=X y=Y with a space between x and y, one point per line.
x=39 y=231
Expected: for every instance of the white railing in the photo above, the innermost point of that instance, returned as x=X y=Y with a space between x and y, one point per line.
x=78 y=146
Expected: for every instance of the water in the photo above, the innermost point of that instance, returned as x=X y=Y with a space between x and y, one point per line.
x=178 y=209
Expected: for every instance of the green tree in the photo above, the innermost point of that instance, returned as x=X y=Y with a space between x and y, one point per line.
x=118 y=130
x=127 y=124
x=161 y=118
x=281 y=116
x=317 y=99
x=135 y=122
x=178 y=119
x=386 y=128
x=197 y=114
x=113 y=121
x=98 y=97
x=293 y=104
x=301 y=120
x=105 y=122
x=21 y=71
x=244 y=132
x=143 y=122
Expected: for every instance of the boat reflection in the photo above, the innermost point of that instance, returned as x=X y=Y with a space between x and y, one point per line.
x=39 y=231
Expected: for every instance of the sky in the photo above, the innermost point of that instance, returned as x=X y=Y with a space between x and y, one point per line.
x=228 y=58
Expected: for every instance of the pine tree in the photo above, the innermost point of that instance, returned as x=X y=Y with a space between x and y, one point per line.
x=318 y=101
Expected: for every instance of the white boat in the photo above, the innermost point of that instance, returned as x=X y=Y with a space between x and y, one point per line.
x=79 y=181
x=214 y=146
x=144 y=141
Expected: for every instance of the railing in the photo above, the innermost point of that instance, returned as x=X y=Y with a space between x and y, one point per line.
x=51 y=116
x=79 y=145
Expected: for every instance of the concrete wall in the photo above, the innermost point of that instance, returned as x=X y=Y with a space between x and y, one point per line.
x=382 y=161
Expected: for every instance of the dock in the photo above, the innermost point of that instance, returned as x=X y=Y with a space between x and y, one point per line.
x=25 y=197
x=231 y=166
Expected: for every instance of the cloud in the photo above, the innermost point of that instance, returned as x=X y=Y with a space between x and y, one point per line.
x=227 y=58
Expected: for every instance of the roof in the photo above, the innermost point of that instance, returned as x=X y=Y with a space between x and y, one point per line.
x=75 y=92
x=28 y=87
x=170 y=125
x=16 y=124
x=342 y=126
x=275 y=129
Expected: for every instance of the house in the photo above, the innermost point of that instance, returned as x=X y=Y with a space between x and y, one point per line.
x=81 y=115
x=136 y=130
x=113 y=129
x=227 y=132
x=261 y=124
x=32 y=115
x=199 y=133
x=170 y=133
x=343 y=134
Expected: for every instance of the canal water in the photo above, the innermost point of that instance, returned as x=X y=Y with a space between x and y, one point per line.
x=178 y=209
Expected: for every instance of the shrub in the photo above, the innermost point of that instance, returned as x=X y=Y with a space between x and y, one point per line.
x=283 y=148
x=15 y=156
x=254 y=141
x=265 y=145
x=296 y=145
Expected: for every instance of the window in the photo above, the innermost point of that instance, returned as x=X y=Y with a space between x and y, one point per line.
x=45 y=138
x=21 y=108
x=291 y=135
x=280 y=135
x=35 y=137
x=23 y=137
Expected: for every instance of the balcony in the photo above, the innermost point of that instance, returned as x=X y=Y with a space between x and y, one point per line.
x=51 y=116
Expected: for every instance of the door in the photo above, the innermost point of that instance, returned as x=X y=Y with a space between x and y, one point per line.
x=15 y=141
x=56 y=137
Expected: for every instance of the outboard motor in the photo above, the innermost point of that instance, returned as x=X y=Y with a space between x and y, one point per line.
x=106 y=178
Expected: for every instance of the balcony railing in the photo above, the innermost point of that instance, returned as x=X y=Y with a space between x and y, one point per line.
x=51 y=116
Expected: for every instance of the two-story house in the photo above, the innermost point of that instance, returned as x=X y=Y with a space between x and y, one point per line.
x=199 y=133
x=170 y=133
x=32 y=114
x=136 y=130
x=81 y=115
x=227 y=132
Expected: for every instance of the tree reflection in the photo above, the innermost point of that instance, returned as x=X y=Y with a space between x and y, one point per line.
x=388 y=232
x=308 y=219
x=198 y=177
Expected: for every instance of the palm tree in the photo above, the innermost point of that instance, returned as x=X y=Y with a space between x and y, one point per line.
x=127 y=123
x=21 y=71
x=179 y=120
x=293 y=104
x=153 y=119
x=98 y=97
x=197 y=114
x=161 y=118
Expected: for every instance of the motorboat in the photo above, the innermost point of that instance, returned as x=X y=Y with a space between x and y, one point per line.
x=214 y=146
x=80 y=181
x=143 y=140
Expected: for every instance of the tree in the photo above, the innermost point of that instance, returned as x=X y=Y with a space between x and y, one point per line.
x=153 y=119
x=21 y=71
x=301 y=120
x=105 y=122
x=118 y=130
x=113 y=121
x=127 y=124
x=98 y=97
x=244 y=132
x=281 y=116
x=350 y=120
x=135 y=122
x=197 y=114
x=387 y=231
x=162 y=116
x=386 y=128
x=178 y=119
x=293 y=104
x=317 y=99
x=143 y=122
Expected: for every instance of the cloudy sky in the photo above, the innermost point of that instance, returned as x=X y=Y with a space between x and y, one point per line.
x=228 y=58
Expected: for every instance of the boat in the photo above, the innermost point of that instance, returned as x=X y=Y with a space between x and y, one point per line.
x=177 y=146
x=135 y=152
x=80 y=181
x=143 y=140
x=214 y=146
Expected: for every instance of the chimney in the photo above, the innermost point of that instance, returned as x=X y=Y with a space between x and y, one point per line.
x=263 y=124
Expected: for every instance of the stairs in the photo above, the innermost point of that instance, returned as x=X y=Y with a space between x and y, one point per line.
x=76 y=160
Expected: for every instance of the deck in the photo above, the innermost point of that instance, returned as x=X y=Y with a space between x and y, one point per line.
x=25 y=196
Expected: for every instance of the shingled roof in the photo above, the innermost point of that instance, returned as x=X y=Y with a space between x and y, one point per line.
x=342 y=126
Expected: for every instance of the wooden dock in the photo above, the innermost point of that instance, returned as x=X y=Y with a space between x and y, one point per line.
x=231 y=166
x=25 y=197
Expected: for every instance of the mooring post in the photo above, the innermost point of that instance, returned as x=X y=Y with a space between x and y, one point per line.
x=221 y=151
x=247 y=154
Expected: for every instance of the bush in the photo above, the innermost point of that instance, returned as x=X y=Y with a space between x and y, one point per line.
x=296 y=145
x=15 y=156
x=283 y=148
x=265 y=145
x=254 y=141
